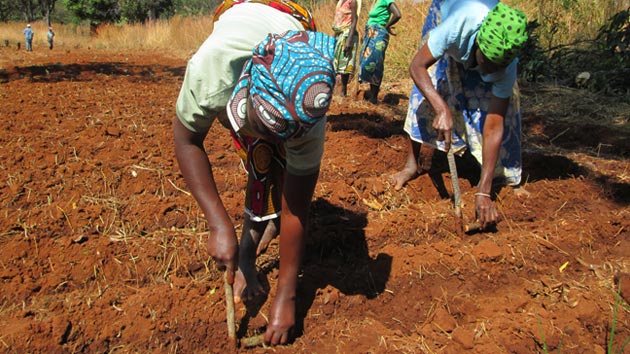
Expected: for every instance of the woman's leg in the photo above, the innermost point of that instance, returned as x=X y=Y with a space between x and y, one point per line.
x=344 y=84
x=254 y=240
x=410 y=169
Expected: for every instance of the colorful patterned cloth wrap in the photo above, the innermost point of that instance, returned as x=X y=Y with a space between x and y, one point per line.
x=502 y=34
x=300 y=13
x=265 y=163
x=375 y=42
x=345 y=64
x=468 y=96
x=290 y=80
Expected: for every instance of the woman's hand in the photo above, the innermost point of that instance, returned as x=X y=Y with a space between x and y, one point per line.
x=443 y=125
x=223 y=248
x=485 y=210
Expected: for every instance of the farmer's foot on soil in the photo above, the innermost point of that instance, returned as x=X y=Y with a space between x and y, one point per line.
x=271 y=232
x=400 y=178
x=373 y=96
x=521 y=192
x=343 y=92
x=418 y=162
x=246 y=284
x=282 y=319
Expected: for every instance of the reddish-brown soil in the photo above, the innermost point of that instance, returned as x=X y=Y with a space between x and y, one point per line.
x=102 y=247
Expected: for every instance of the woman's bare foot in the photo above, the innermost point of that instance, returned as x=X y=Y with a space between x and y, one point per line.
x=403 y=176
x=246 y=284
x=521 y=192
x=282 y=319
x=272 y=230
x=418 y=161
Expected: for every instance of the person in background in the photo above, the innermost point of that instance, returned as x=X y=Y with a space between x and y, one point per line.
x=278 y=127
x=28 y=36
x=465 y=76
x=382 y=17
x=50 y=35
x=345 y=28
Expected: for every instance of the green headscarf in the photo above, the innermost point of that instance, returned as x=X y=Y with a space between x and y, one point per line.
x=502 y=34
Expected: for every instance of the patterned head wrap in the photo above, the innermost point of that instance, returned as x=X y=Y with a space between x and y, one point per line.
x=290 y=79
x=502 y=34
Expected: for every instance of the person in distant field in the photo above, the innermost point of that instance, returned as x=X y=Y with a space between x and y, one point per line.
x=382 y=17
x=277 y=87
x=345 y=28
x=465 y=76
x=50 y=35
x=28 y=36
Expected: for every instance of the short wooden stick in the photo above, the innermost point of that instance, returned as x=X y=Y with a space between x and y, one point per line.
x=472 y=227
x=229 y=309
x=254 y=341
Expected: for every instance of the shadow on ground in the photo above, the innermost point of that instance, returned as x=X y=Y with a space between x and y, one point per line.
x=336 y=256
x=74 y=72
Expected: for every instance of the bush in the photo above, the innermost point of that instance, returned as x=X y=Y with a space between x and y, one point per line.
x=606 y=58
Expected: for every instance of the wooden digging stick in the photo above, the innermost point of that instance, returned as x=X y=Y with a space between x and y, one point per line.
x=229 y=309
x=248 y=342
x=457 y=194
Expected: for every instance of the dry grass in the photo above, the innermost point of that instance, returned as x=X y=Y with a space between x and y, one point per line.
x=178 y=34
x=565 y=22
x=561 y=22
x=567 y=103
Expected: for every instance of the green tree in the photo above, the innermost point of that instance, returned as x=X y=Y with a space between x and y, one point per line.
x=94 y=11
x=47 y=7
x=143 y=10
x=28 y=8
x=6 y=11
x=195 y=7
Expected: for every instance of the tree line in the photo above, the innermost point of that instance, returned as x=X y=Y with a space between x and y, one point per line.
x=101 y=11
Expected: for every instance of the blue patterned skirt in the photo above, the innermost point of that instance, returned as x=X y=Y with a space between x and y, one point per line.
x=375 y=42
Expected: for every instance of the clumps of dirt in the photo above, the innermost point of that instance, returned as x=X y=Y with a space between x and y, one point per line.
x=103 y=247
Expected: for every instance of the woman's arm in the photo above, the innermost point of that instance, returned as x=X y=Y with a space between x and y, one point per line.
x=443 y=122
x=297 y=193
x=353 y=27
x=492 y=135
x=197 y=171
x=394 y=17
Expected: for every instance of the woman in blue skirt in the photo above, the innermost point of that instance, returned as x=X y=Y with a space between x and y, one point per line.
x=465 y=94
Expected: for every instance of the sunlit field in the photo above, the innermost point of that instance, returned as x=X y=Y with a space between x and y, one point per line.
x=561 y=22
